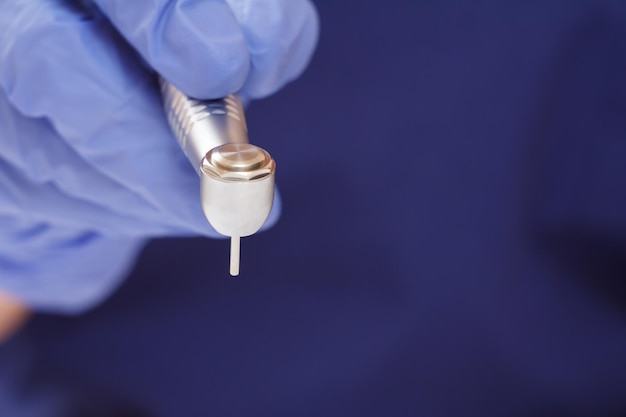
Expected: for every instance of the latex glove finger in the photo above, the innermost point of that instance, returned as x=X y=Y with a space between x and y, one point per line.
x=196 y=45
x=213 y=48
x=38 y=264
x=281 y=36
x=41 y=177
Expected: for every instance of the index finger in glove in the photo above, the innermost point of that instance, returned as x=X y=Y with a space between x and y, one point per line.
x=196 y=45
x=209 y=48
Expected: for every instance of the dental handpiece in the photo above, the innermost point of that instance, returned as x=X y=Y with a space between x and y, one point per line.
x=236 y=178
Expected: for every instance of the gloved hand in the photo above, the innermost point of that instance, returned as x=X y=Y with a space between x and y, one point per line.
x=88 y=166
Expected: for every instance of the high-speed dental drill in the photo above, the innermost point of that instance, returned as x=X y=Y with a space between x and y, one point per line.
x=236 y=178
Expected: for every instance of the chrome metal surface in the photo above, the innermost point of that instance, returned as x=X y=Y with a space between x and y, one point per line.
x=201 y=125
x=236 y=178
x=237 y=188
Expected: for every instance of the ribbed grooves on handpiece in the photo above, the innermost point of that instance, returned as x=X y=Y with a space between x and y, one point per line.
x=184 y=112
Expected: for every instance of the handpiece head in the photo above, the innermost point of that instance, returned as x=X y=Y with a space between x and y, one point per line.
x=236 y=178
x=237 y=188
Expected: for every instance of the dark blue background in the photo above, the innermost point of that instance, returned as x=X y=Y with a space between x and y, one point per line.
x=453 y=240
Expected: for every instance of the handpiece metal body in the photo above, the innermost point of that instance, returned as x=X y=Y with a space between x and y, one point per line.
x=236 y=178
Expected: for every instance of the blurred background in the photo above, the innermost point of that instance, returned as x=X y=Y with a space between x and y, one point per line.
x=453 y=241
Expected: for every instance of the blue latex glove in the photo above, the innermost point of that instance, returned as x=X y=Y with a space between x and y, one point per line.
x=88 y=167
